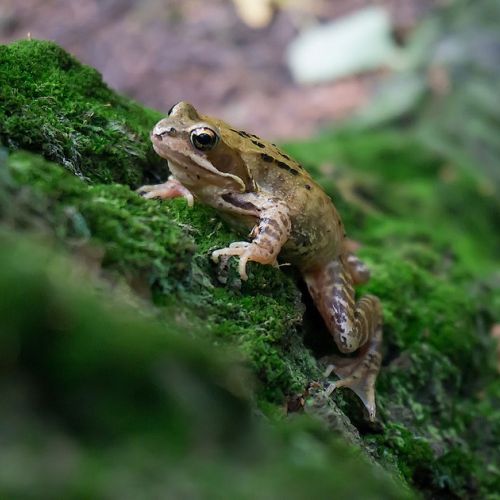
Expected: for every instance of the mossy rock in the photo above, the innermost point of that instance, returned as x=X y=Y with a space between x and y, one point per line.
x=438 y=387
x=56 y=106
x=101 y=400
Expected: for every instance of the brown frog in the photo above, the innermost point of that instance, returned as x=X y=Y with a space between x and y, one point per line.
x=258 y=188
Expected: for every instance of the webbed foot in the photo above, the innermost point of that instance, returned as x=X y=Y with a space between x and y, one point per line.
x=359 y=373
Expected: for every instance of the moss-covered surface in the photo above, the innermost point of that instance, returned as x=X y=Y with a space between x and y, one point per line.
x=99 y=400
x=429 y=234
x=56 y=106
x=150 y=247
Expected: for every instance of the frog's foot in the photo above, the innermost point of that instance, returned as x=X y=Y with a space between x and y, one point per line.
x=359 y=373
x=170 y=189
x=245 y=251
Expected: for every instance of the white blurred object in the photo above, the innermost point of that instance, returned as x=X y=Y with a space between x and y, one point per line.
x=259 y=13
x=350 y=45
x=255 y=13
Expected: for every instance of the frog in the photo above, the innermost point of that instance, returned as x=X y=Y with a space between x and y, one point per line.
x=261 y=191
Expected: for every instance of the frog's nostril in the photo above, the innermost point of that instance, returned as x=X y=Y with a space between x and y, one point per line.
x=162 y=132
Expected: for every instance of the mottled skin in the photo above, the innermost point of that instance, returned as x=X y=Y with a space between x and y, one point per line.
x=258 y=188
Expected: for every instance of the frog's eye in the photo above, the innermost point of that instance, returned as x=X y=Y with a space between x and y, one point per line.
x=204 y=138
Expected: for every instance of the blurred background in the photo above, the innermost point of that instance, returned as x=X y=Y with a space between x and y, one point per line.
x=258 y=63
x=285 y=69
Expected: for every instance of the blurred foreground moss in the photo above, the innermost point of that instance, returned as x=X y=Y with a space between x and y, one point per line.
x=100 y=400
x=429 y=235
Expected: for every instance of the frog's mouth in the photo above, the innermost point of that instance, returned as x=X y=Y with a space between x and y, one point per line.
x=176 y=159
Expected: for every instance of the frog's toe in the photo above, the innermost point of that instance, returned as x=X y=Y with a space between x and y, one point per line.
x=157 y=193
x=358 y=373
x=246 y=251
x=242 y=267
x=237 y=249
x=145 y=189
x=240 y=244
x=153 y=191
x=170 y=189
x=362 y=386
x=233 y=250
x=222 y=252
x=230 y=251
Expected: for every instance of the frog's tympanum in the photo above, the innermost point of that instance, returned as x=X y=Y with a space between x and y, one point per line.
x=260 y=189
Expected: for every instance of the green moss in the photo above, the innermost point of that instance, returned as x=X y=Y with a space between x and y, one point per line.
x=138 y=240
x=162 y=251
x=54 y=105
x=99 y=401
x=429 y=235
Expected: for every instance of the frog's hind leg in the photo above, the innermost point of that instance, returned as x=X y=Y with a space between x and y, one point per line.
x=359 y=270
x=355 y=326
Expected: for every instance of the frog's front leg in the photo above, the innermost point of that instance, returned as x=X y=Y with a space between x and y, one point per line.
x=354 y=325
x=170 y=189
x=269 y=235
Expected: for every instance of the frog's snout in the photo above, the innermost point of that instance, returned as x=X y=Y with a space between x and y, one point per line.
x=160 y=132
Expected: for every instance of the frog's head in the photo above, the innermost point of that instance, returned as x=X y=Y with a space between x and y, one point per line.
x=196 y=151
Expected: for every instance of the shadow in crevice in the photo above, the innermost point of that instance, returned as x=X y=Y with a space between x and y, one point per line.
x=316 y=334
